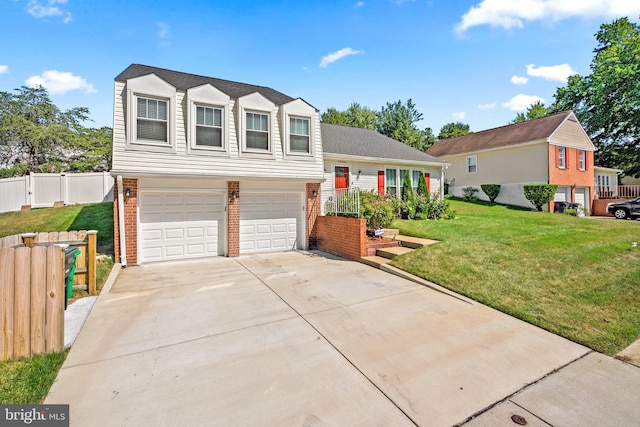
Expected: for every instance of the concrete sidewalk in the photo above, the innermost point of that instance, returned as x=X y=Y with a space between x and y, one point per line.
x=308 y=339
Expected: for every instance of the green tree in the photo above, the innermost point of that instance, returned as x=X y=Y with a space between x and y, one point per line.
x=36 y=136
x=398 y=121
x=355 y=116
x=536 y=110
x=607 y=100
x=422 y=187
x=452 y=130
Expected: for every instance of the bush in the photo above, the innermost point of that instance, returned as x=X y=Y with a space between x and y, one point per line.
x=422 y=187
x=422 y=204
x=469 y=194
x=440 y=209
x=377 y=210
x=491 y=190
x=571 y=212
x=408 y=199
x=540 y=194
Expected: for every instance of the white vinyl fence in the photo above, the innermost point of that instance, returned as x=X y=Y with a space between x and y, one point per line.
x=41 y=190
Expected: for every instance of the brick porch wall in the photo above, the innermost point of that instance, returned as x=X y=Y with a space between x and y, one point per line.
x=345 y=237
x=233 y=219
x=130 y=221
x=599 y=207
x=313 y=212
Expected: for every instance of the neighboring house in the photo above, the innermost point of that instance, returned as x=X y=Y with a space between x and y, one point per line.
x=606 y=182
x=550 y=150
x=210 y=167
x=367 y=160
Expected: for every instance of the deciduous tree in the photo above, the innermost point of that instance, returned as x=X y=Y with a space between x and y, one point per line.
x=452 y=130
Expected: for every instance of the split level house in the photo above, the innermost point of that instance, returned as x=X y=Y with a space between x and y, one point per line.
x=211 y=167
x=550 y=150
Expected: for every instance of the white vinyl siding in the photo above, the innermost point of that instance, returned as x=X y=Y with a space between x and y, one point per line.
x=208 y=127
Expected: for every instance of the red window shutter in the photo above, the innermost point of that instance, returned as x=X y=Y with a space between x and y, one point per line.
x=381 y=183
x=427 y=178
x=557 y=156
x=567 y=152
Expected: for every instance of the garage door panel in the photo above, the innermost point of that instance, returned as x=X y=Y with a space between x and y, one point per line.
x=177 y=226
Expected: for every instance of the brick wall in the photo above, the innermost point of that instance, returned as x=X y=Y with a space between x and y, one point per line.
x=233 y=219
x=571 y=175
x=130 y=221
x=313 y=211
x=599 y=207
x=346 y=237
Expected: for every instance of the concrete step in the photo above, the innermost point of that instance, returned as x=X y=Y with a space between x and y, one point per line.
x=390 y=232
x=391 y=253
x=374 y=260
x=414 y=242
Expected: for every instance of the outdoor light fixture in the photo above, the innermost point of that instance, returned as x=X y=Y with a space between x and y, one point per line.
x=127 y=192
x=315 y=193
x=234 y=195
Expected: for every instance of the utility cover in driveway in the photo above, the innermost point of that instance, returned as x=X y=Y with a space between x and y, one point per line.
x=270 y=222
x=178 y=226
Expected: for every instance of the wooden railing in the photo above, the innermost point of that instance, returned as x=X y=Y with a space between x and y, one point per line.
x=32 y=301
x=618 y=191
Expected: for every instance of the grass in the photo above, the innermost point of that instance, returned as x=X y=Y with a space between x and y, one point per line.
x=576 y=277
x=29 y=380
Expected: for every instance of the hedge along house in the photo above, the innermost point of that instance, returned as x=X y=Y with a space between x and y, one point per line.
x=208 y=167
x=367 y=160
x=551 y=150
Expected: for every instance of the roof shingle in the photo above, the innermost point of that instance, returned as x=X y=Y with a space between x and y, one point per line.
x=532 y=130
x=184 y=81
x=351 y=141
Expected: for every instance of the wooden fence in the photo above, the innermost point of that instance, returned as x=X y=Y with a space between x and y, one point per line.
x=31 y=301
x=86 y=241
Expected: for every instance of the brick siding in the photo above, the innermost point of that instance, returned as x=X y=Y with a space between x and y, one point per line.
x=313 y=212
x=345 y=237
x=130 y=221
x=233 y=219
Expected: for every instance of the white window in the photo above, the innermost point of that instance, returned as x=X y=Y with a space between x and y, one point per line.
x=562 y=158
x=257 y=136
x=582 y=159
x=472 y=164
x=208 y=127
x=391 y=182
x=415 y=180
x=299 y=135
x=152 y=123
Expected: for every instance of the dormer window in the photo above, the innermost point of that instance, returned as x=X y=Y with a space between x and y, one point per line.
x=152 y=122
x=299 y=135
x=257 y=137
x=208 y=127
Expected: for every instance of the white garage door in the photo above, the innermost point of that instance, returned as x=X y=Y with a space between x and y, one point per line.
x=581 y=196
x=270 y=222
x=562 y=195
x=177 y=226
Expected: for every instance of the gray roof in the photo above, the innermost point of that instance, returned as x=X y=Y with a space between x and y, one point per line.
x=351 y=141
x=184 y=81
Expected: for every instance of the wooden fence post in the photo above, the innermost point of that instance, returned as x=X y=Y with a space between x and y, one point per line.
x=22 y=304
x=6 y=302
x=28 y=239
x=38 y=298
x=54 y=309
x=92 y=236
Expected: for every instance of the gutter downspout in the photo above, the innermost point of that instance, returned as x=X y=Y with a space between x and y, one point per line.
x=443 y=177
x=123 y=243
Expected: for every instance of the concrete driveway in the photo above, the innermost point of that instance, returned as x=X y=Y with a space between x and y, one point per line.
x=294 y=338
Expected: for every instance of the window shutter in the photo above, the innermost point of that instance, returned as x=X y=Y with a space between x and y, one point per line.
x=427 y=178
x=567 y=152
x=381 y=183
x=557 y=156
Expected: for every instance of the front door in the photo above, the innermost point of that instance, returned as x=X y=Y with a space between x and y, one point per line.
x=342 y=178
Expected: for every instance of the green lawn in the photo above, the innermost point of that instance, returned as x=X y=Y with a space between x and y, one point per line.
x=576 y=277
x=29 y=380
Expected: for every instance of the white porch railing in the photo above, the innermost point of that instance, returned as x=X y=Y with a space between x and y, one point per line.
x=344 y=202
x=618 y=191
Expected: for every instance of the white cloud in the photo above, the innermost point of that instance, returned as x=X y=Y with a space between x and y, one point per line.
x=459 y=115
x=558 y=73
x=163 y=29
x=3 y=69
x=60 y=82
x=339 y=54
x=50 y=8
x=360 y=4
x=487 y=106
x=517 y=80
x=521 y=102
x=510 y=14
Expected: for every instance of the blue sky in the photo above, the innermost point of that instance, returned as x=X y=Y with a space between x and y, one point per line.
x=479 y=62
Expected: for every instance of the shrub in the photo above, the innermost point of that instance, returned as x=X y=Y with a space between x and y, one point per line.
x=491 y=190
x=440 y=209
x=423 y=202
x=469 y=194
x=540 y=194
x=377 y=210
x=571 y=212
x=422 y=187
x=408 y=199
